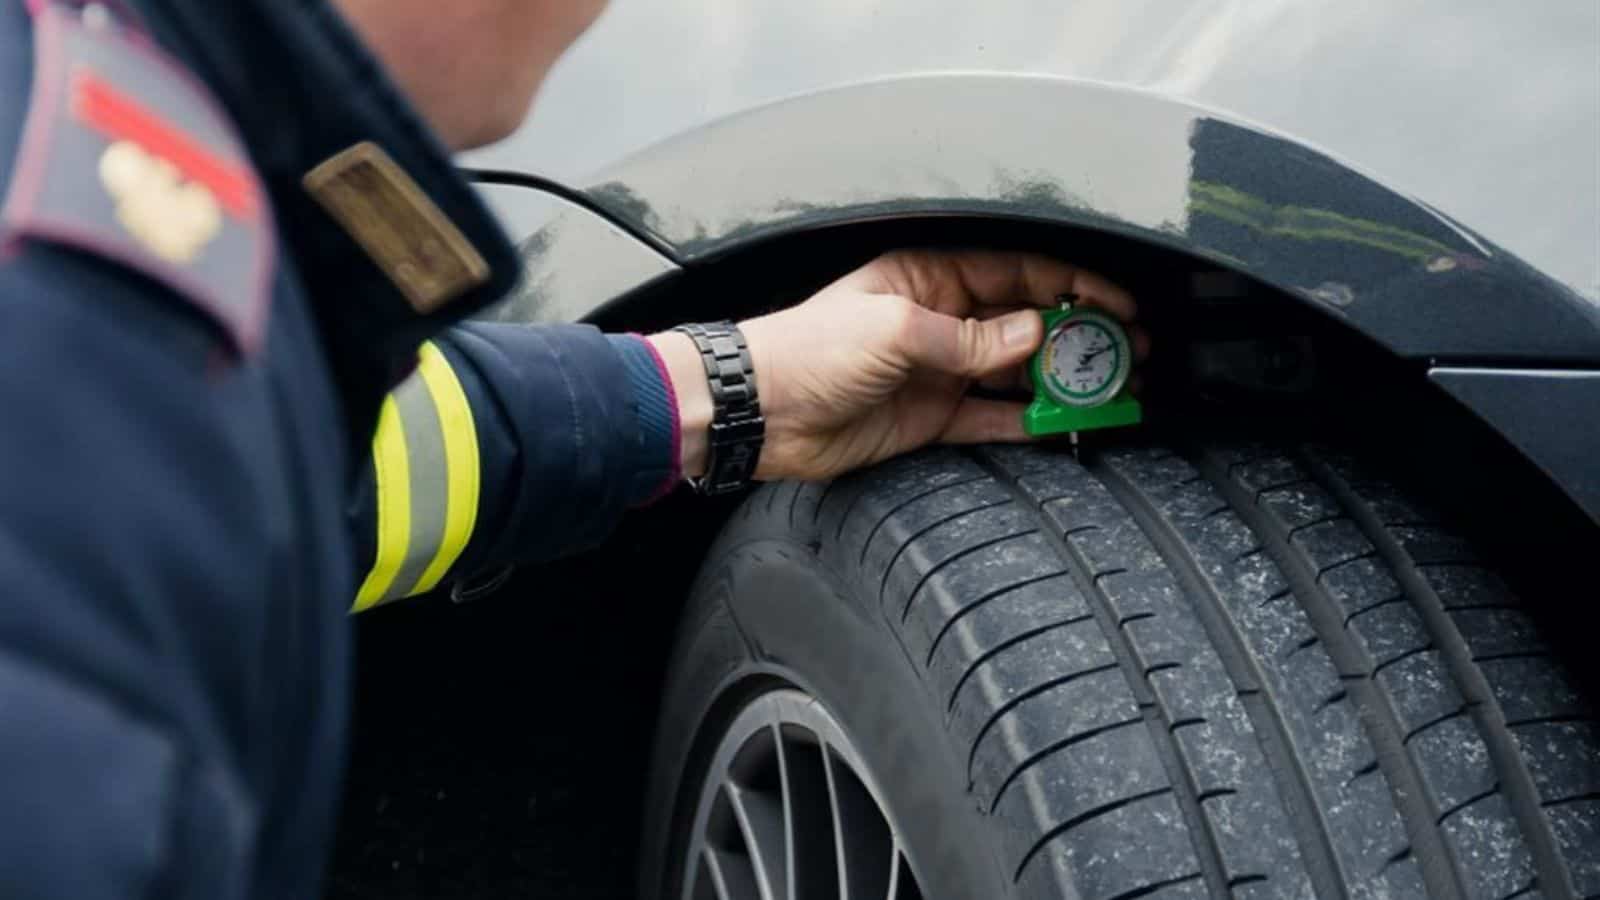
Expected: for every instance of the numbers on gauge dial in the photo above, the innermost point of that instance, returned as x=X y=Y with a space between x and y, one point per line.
x=1086 y=361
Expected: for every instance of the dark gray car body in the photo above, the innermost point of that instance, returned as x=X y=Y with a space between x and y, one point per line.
x=1426 y=172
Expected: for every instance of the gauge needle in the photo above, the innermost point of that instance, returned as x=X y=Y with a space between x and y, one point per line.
x=1085 y=358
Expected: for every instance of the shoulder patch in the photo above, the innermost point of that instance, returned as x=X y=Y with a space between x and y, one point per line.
x=127 y=156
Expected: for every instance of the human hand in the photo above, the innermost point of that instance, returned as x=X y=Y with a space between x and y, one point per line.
x=880 y=362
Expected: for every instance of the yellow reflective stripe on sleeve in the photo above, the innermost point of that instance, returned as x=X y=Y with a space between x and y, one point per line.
x=462 y=469
x=394 y=506
x=426 y=459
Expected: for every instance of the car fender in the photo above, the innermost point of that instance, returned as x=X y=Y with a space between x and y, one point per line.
x=1121 y=161
x=1114 y=159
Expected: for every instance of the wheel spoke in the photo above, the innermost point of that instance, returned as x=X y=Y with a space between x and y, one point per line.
x=788 y=812
x=894 y=873
x=814 y=865
x=862 y=837
x=904 y=884
x=785 y=793
x=728 y=877
x=761 y=821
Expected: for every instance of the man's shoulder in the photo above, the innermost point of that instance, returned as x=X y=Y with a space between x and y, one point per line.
x=118 y=152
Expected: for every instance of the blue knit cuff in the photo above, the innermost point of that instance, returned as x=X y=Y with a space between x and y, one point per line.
x=656 y=409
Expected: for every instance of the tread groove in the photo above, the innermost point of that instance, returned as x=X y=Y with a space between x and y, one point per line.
x=862 y=493
x=1322 y=573
x=1510 y=770
x=1034 y=691
x=1149 y=889
x=1275 y=486
x=1107 y=574
x=1280 y=595
x=1366 y=609
x=1398 y=767
x=1474 y=607
x=1007 y=644
x=899 y=551
x=1399 y=856
x=895 y=510
x=1026 y=764
x=1565 y=719
x=922 y=581
x=1437 y=720
x=1323 y=570
x=1125 y=621
x=933 y=649
x=1481 y=795
x=1303 y=644
x=1181 y=785
x=1320 y=520
x=1575 y=798
x=822 y=499
x=1338 y=696
x=1316 y=847
x=794 y=499
x=1086 y=816
x=1514 y=654
x=1368 y=769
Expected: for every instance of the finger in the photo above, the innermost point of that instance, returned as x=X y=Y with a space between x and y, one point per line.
x=962 y=282
x=1136 y=332
x=1017 y=379
x=992 y=312
x=1093 y=289
x=1005 y=278
x=1141 y=342
x=970 y=348
x=982 y=421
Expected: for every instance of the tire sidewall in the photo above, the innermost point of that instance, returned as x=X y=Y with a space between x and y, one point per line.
x=797 y=622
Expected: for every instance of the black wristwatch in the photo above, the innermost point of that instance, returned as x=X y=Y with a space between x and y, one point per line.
x=737 y=428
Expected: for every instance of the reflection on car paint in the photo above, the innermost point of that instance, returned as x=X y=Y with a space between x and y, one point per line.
x=1153 y=169
x=1489 y=111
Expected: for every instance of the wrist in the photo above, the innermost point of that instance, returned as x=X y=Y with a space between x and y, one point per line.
x=688 y=375
x=773 y=400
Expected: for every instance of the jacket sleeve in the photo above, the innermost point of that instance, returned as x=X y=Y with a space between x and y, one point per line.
x=510 y=444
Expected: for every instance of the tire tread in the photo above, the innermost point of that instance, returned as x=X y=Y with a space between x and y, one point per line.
x=1271 y=669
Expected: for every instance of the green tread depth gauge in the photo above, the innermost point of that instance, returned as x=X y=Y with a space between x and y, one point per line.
x=1080 y=375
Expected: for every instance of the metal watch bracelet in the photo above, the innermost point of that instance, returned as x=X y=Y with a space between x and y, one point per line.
x=737 y=428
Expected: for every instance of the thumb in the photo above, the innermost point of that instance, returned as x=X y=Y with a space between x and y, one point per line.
x=971 y=348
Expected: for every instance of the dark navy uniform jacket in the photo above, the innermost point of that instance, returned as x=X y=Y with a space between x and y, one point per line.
x=234 y=401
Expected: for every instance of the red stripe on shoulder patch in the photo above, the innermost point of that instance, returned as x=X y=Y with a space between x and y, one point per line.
x=120 y=117
x=126 y=156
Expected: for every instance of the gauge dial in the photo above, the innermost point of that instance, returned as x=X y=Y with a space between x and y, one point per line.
x=1085 y=360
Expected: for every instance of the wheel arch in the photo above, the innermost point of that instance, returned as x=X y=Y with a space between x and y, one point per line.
x=1131 y=163
x=982 y=158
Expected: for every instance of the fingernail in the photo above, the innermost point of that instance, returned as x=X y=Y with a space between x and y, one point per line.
x=1018 y=328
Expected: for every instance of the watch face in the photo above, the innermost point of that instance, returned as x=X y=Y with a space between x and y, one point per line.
x=1085 y=360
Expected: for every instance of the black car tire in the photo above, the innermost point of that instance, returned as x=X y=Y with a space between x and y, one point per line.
x=1231 y=671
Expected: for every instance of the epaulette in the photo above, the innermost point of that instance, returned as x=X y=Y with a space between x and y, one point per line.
x=127 y=156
